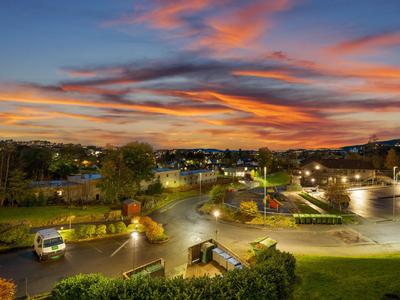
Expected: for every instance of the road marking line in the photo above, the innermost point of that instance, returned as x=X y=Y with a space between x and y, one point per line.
x=68 y=254
x=95 y=248
x=172 y=206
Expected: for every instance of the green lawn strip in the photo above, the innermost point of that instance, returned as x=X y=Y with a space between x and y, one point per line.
x=305 y=209
x=329 y=209
x=42 y=214
x=354 y=277
x=277 y=179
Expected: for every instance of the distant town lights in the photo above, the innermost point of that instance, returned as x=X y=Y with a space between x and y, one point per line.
x=307 y=173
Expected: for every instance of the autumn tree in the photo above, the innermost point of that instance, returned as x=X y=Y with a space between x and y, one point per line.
x=338 y=192
x=217 y=194
x=265 y=158
x=392 y=159
x=7 y=289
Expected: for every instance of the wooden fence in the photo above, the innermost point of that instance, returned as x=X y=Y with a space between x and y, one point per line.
x=128 y=274
x=194 y=253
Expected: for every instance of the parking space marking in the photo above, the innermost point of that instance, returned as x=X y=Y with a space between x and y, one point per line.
x=119 y=243
x=95 y=247
x=68 y=254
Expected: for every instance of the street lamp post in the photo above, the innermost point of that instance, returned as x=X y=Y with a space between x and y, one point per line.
x=394 y=192
x=200 y=188
x=357 y=176
x=265 y=197
x=134 y=235
x=312 y=179
x=216 y=214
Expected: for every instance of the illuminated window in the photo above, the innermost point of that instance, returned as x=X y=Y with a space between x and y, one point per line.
x=59 y=193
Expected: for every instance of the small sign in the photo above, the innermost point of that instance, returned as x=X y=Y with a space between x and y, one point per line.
x=54 y=257
x=54 y=248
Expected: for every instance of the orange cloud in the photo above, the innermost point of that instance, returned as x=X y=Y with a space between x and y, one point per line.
x=368 y=43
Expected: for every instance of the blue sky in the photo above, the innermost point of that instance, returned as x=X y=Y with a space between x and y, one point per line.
x=187 y=74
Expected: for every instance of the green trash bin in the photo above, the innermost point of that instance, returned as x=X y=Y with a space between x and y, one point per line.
x=143 y=273
x=308 y=218
x=156 y=271
x=296 y=218
x=323 y=219
x=339 y=219
x=318 y=219
x=302 y=219
x=313 y=219
x=206 y=252
x=334 y=219
x=328 y=219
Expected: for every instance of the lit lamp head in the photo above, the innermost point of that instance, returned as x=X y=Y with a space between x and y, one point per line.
x=312 y=179
x=344 y=179
x=216 y=213
x=317 y=167
x=357 y=176
x=307 y=173
x=134 y=234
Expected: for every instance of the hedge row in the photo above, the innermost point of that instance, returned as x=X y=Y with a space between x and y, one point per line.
x=270 y=278
x=186 y=188
x=88 y=231
x=10 y=234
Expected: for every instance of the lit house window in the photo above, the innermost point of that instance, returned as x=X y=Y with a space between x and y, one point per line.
x=59 y=193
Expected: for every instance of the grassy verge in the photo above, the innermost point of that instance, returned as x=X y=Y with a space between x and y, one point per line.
x=277 y=179
x=329 y=209
x=356 y=277
x=229 y=214
x=42 y=214
x=305 y=209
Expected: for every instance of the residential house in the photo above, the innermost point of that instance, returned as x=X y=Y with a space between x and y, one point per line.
x=317 y=171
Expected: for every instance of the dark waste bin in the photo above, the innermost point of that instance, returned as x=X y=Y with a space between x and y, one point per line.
x=323 y=219
x=206 y=252
x=156 y=271
x=313 y=218
x=328 y=219
x=302 y=219
x=339 y=219
x=308 y=218
x=143 y=273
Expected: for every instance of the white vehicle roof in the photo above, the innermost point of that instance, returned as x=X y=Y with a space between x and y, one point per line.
x=48 y=233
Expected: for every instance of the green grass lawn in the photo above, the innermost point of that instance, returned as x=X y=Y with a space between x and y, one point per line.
x=305 y=209
x=41 y=214
x=277 y=179
x=355 y=277
x=329 y=209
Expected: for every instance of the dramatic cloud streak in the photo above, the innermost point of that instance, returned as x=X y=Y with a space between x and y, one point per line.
x=222 y=74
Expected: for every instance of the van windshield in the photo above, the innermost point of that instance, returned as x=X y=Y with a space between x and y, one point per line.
x=53 y=242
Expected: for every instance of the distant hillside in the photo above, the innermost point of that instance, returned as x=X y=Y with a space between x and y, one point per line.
x=385 y=143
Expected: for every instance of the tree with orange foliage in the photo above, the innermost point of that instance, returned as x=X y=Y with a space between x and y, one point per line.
x=7 y=289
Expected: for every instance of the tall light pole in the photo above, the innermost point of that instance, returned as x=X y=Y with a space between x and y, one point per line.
x=394 y=192
x=357 y=176
x=134 y=235
x=216 y=214
x=265 y=197
x=200 y=189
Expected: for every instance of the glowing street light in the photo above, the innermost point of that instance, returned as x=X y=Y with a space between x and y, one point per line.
x=394 y=192
x=216 y=214
x=357 y=176
x=344 y=179
x=134 y=235
x=312 y=179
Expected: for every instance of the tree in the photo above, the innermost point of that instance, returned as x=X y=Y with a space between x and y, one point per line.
x=338 y=193
x=392 y=159
x=352 y=155
x=18 y=188
x=265 y=158
x=36 y=162
x=7 y=288
x=217 y=194
x=125 y=170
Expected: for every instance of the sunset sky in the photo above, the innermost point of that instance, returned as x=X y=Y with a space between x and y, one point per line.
x=200 y=74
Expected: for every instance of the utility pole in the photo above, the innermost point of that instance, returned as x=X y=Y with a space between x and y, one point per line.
x=265 y=197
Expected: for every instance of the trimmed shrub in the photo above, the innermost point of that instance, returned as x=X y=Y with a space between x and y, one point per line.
x=135 y=218
x=110 y=229
x=10 y=234
x=120 y=227
x=7 y=288
x=77 y=287
x=101 y=230
x=80 y=232
x=90 y=230
x=154 y=231
x=41 y=200
x=248 y=208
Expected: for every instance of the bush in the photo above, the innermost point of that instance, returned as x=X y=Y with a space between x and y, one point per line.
x=154 y=231
x=135 y=219
x=90 y=230
x=7 y=289
x=10 y=234
x=248 y=208
x=217 y=194
x=155 y=188
x=41 y=200
x=101 y=230
x=269 y=278
x=80 y=231
x=111 y=229
x=120 y=227
x=147 y=222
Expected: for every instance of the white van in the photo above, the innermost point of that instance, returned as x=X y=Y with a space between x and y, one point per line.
x=49 y=244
